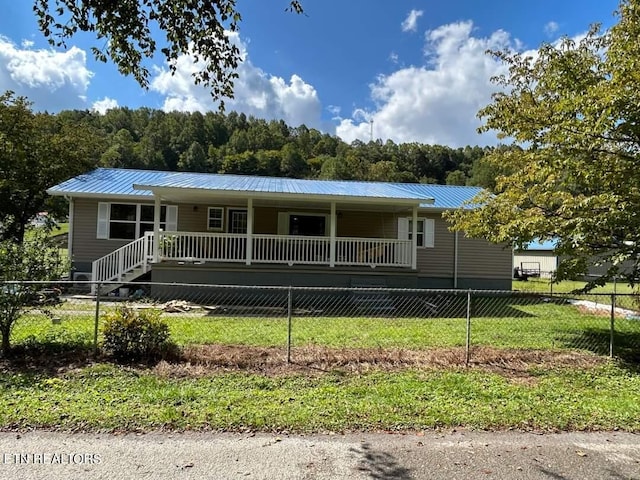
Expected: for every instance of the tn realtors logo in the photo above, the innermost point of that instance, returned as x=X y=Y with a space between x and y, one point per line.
x=56 y=458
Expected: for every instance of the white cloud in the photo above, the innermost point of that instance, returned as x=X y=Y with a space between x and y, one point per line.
x=551 y=28
x=334 y=110
x=51 y=80
x=410 y=23
x=101 y=106
x=256 y=92
x=435 y=103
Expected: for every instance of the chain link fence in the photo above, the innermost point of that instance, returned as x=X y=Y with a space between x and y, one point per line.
x=245 y=326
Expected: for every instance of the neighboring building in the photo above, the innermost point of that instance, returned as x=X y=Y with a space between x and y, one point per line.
x=231 y=229
x=537 y=255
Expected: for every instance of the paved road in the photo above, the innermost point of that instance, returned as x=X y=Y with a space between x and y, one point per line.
x=458 y=455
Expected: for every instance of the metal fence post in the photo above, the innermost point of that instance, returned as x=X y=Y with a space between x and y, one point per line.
x=289 y=304
x=97 y=319
x=468 y=342
x=612 y=324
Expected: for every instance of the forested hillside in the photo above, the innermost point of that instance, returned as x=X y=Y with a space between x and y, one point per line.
x=233 y=143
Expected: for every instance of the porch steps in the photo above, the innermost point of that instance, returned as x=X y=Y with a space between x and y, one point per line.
x=127 y=277
x=371 y=302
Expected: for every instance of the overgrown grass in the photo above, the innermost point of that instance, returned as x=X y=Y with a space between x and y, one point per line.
x=106 y=397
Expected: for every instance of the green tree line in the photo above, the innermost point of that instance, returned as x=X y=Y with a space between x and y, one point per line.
x=236 y=144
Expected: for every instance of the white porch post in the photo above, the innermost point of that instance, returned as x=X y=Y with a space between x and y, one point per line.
x=249 y=249
x=156 y=228
x=332 y=238
x=414 y=238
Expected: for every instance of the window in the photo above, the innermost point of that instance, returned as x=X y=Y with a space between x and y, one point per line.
x=310 y=225
x=305 y=224
x=128 y=221
x=425 y=231
x=215 y=218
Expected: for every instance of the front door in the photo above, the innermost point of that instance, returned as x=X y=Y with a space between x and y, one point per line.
x=237 y=223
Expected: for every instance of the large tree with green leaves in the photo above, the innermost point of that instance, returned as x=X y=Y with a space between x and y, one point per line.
x=37 y=259
x=574 y=109
x=126 y=28
x=37 y=151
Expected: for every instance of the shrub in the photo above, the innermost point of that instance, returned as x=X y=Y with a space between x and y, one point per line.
x=133 y=335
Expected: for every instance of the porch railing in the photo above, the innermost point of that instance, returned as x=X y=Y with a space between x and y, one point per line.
x=283 y=249
x=291 y=249
x=202 y=246
x=114 y=266
x=135 y=257
x=373 y=252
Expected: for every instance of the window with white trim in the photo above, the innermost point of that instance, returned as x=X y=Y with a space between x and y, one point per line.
x=215 y=218
x=128 y=221
x=425 y=231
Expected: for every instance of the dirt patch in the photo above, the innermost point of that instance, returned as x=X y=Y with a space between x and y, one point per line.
x=313 y=360
x=202 y=360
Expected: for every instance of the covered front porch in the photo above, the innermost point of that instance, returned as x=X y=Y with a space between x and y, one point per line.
x=270 y=228
x=289 y=229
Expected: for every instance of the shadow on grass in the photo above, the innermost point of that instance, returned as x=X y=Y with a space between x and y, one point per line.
x=626 y=345
x=50 y=357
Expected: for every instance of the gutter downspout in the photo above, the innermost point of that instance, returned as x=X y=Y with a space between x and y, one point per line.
x=70 y=234
x=455 y=259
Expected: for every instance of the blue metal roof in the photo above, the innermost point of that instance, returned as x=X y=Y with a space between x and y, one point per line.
x=120 y=182
x=281 y=185
x=107 y=182
x=446 y=196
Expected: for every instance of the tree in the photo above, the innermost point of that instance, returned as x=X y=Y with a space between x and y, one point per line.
x=125 y=30
x=194 y=159
x=456 y=177
x=36 y=259
x=37 y=151
x=574 y=111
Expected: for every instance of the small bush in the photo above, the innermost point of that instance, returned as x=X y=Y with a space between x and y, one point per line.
x=133 y=335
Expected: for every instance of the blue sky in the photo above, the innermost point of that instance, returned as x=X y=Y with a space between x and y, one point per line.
x=416 y=69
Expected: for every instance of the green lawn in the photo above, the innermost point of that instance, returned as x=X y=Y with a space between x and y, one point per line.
x=544 y=285
x=624 y=297
x=103 y=396
x=501 y=323
x=107 y=397
x=61 y=229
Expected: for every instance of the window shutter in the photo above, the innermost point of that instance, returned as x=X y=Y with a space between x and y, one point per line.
x=283 y=223
x=172 y=218
x=103 y=221
x=403 y=228
x=429 y=232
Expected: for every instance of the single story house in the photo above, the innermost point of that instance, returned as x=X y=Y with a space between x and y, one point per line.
x=247 y=230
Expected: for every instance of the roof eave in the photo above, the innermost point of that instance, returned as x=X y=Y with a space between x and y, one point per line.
x=118 y=196
x=282 y=195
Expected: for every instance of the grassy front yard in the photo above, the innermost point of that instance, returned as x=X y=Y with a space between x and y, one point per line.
x=534 y=366
x=499 y=323
x=108 y=397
